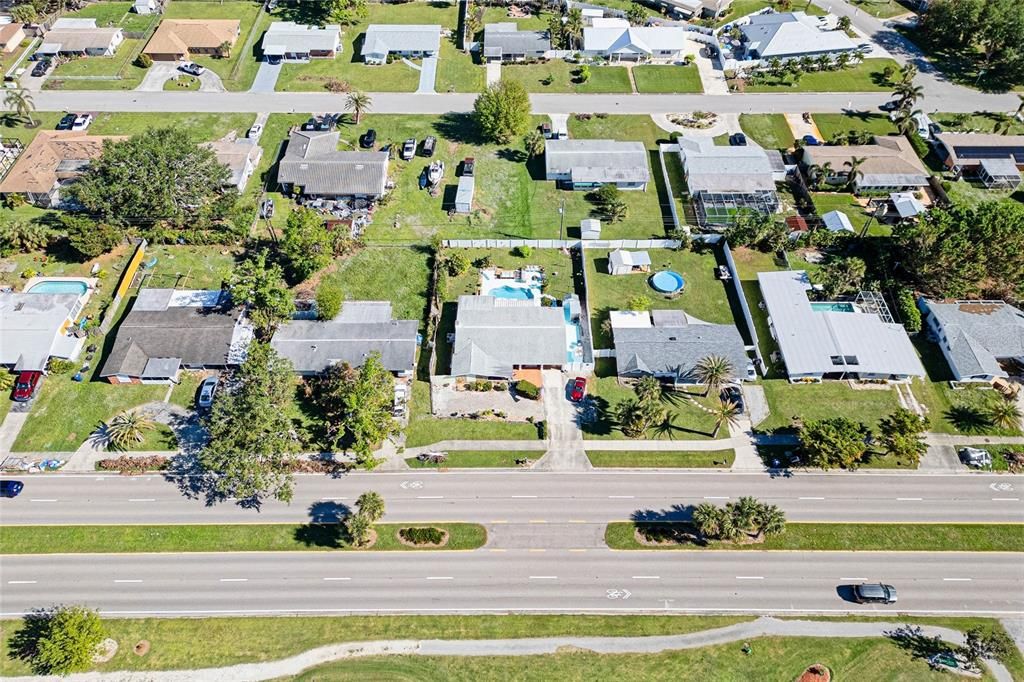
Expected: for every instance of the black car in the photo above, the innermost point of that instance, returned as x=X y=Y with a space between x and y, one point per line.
x=41 y=67
x=10 y=488
x=368 y=139
x=733 y=394
x=66 y=122
x=428 y=146
x=310 y=124
x=874 y=593
x=891 y=105
x=738 y=140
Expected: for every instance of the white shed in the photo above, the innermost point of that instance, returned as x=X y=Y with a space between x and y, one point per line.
x=590 y=229
x=837 y=221
x=625 y=262
x=464 y=194
x=144 y=6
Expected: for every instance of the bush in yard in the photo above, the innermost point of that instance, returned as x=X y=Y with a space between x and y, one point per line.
x=143 y=61
x=456 y=263
x=306 y=243
x=523 y=251
x=528 y=390
x=133 y=465
x=908 y=310
x=422 y=536
x=502 y=111
x=59 y=641
x=640 y=302
x=328 y=299
x=59 y=366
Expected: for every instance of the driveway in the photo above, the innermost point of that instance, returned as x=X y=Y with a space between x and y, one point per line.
x=493 y=72
x=266 y=77
x=428 y=74
x=156 y=76
x=799 y=127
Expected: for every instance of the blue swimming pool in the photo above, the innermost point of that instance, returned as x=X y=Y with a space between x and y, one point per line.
x=832 y=307
x=56 y=286
x=668 y=281
x=506 y=291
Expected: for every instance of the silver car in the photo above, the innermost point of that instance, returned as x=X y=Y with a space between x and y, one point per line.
x=206 y=391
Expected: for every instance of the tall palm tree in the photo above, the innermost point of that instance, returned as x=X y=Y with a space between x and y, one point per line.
x=574 y=27
x=1005 y=414
x=358 y=103
x=648 y=389
x=358 y=527
x=908 y=94
x=770 y=520
x=714 y=371
x=21 y=102
x=371 y=504
x=854 y=172
x=707 y=519
x=127 y=429
x=824 y=172
x=726 y=412
x=775 y=66
x=905 y=120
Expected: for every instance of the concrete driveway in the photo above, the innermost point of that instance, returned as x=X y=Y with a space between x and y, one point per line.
x=428 y=74
x=157 y=75
x=266 y=77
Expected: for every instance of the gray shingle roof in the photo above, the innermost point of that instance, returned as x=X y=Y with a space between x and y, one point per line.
x=313 y=163
x=597 y=160
x=494 y=334
x=384 y=38
x=979 y=332
x=890 y=161
x=714 y=168
x=676 y=350
x=507 y=38
x=287 y=36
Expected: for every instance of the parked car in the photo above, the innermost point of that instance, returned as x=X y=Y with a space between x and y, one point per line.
x=82 y=122
x=66 y=122
x=255 y=131
x=891 y=105
x=41 y=67
x=811 y=141
x=975 y=457
x=274 y=59
x=10 y=488
x=309 y=125
x=267 y=208
x=368 y=139
x=468 y=166
x=874 y=593
x=25 y=385
x=579 y=389
x=428 y=146
x=205 y=394
x=192 y=69
x=409 y=149
x=738 y=140
x=733 y=394
x=324 y=123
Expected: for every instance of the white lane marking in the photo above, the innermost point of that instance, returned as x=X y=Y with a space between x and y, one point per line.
x=39 y=499
x=234 y=580
x=621 y=497
x=1006 y=499
x=440 y=577
x=523 y=497
x=957 y=580
x=430 y=497
x=127 y=581
x=142 y=499
x=909 y=499
x=543 y=577
x=646 y=577
x=810 y=498
x=750 y=577
x=712 y=497
x=21 y=582
x=331 y=499
x=337 y=578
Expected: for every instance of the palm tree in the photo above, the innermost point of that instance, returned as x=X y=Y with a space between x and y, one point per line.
x=648 y=389
x=775 y=66
x=667 y=426
x=770 y=520
x=825 y=171
x=707 y=518
x=905 y=120
x=224 y=50
x=371 y=504
x=714 y=371
x=843 y=60
x=574 y=27
x=534 y=143
x=806 y=62
x=726 y=412
x=854 y=173
x=1003 y=123
x=823 y=61
x=908 y=72
x=21 y=102
x=126 y=429
x=1005 y=414
x=745 y=510
x=908 y=94
x=358 y=103
x=358 y=527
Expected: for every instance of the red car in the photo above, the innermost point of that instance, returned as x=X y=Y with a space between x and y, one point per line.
x=25 y=386
x=579 y=389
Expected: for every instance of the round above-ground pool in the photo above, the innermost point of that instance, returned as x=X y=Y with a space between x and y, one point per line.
x=518 y=293
x=59 y=286
x=668 y=281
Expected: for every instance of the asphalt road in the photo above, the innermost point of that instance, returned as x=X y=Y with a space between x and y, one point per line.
x=521 y=581
x=407 y=103
x=530 y=497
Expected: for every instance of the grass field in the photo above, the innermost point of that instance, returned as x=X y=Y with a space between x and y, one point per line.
x=425 y=429
x=667 y=79
x=864 y=77
x=977 y=122
x=825 y=202
x=820 y=401
x=399 y=275
x=639 y=459
x=564 y=77
x=741 y=8
x=769 y=130
x=847 y=537
x=882 y=9
x=246 y=537
x=832 y=124
x=477 y=459
x=202 y=127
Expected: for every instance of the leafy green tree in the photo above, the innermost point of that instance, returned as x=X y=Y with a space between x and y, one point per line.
x=981 y=643
x=347 y=12
x=260 y=285
x=993 y=27
x=25 y=13
x=160 y=174
x=88 y=237
x=534 y=144
x=844 y=23
x=306 y=243
x=636 y=14
x=835 y=442
x=253 y=443
x=714 y=371
x=456 y=263
x=329 y=297
x=902 y=435
x=502 y=111
x=357 y=405
x=127 y=429
x=639 y=302
x=61 y=641
x=371 y=504
x=841 y=276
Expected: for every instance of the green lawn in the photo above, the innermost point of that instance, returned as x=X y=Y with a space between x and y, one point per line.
x=977 y=122
x=882 y=9
x=202 y=127
x=557 y=268
x=182 y=82
x=971 y=192
x=833 y=124
x=847 y=537
x=160 y=437
x=741 y=8
x=396 y=274
x=478 y=459
x=184 y=393
x=769 y=130
x=238 y=70
x=190 y=267
x=826 y=202
x=425 y=429
x=564 y=77
x=638 y=459
x=703 y=296
x=456 y=71
x=864 y=77
x=242 y=537
x=825 y=400
x=654 y=78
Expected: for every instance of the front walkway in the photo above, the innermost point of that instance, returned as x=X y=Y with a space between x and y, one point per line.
x=541 y=646
x=493 y=73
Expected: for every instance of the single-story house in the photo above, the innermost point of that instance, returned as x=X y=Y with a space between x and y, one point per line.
x=587 y=164
x=361 y=328
x=626 y=262
x=496 y=336
x=35 y=329
x=669 y=344
x=81 y=37
x=313 y=167
x=976 y=337
x=791 y=35
x=966 y=151
x=144 y=6
x=906 y=204
x=402 y=40
x=635 y=43
x=697 y=8
x=51 y=161
x=723 y=180
x=504 y=42
x=168 y=330
x=11 y=36
x=890 y=164
x=834 y=339
x=181 y=39
x=300 y=42
x=837 y=221
x=241 y=155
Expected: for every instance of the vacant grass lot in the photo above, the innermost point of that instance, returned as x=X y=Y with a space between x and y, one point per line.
x=396 y=274
x=477 y=459
x=820 y=401
x=425 y=429
x=565 y=77
x=864 y=77
x=640 y=459
x=202 y=127
x=823 y=537
x=703 y=296
x=652 y=78
x=101 y=73
x=832 y=124
x=238 y=70
x=769 y=130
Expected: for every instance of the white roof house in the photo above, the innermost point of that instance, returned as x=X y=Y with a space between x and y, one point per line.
x=299 y=41
x=833 y=339
x=584 y=164
x=791 y=34
x=70 y=35
x=636 y=43
x=837 y=221
x=33 y=328
x=409 y=40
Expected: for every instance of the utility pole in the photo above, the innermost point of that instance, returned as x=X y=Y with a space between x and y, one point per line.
x=561 y=219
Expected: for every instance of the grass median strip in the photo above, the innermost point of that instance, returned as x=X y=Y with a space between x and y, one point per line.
x=717 y=459
x=269 y=537
x=891 y=537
